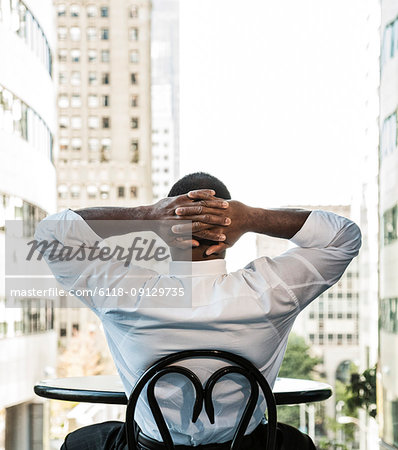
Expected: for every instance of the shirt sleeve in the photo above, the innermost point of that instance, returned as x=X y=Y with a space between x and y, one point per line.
x=326 y=244
x=73 y=252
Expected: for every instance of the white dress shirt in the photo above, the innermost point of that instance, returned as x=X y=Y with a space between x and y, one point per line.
x=249 y=312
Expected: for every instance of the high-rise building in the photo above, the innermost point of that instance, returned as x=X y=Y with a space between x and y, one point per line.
x=27 y=193
x=104 y=110
x=165 y=96
x=388 y=214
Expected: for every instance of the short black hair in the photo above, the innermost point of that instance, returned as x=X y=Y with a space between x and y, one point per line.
x=200 y=180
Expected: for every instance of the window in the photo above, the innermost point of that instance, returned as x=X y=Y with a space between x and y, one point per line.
x=330 y=315
x=312 y=338
x=105 y=149
x=74 y=33
x=349 y=315
x=133 y=191
x=75 y=79
x=63 y=101
x=92 y=56
x=62 y=55
x=74 y=10
x=388 y=136
x=91 y=34
x=390 y=225
x=134 y=151
x=92 y=78
x=75 y=191
x=63 y=144
x=133 y=34
x=105 y=56
x=105 y=78
x=76 y=101
x=62 y=191
x=339 y=339
x=106 y=122
x=104 y=191
x=320 y=316
x=76 y=144
x=104 y=11
x=120 y=191
x=62 y=33
x=93 y=122
x=330 y=337
x=61 y=10
x=134 y=101
x=93 y=145
x=134 y=56
x=91 y=11
x=63 y=121
x=92 y=191
x=105 y=100
x=134 y=122
x=104 y=34
x=75 y=55
x=93 y=101
x=339 y=315
x=133 y=12
x=76 y=122
x=312 y=315
x=62 y=78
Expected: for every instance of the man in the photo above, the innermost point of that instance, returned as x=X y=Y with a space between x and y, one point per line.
x=249 y=312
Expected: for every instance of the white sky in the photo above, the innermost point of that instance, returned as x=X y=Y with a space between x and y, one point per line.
x=270 y=96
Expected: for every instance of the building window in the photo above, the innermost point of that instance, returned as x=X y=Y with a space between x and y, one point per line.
x=105 y=34
x=134 y=56
x=74 y=10
x=390 y=225
x=75 y=101
x=339 y=315
x=104 y=11
x=134 y=151
x=63 y=121
x=312 y=315
x=74 y=33
x=349 y=315
x=330 y=315
x=92 y=56
x=105 y=122
x=388 y=136
x=62 y=33
x=312 y=338
x=62 y=191
x=134 y=78
x=75 y=191
x=61 y=10
x=330 y=338
x=133 y=34
x=62 y=55
x=134 y=101
x=76 y=144
x=134 y=122
x=105 y=56
x=389 y=47
x=120 y=191
x=92 y=78
x=93 y=122
x=75 y=55
x=92 y=101
x=105 y=78
x=105 y=149
x=63 y=144
x=93 y=145
x=91 y=34
x=105 y=101
x=133 y=12
x=133 y=192
x=339 y=339
x=91 y=11
x=75 y=79
x=92 y=191
x=104 y=191
x=63 y=101
x=76 y=122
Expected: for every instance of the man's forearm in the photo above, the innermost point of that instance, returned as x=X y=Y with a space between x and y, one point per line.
x=112 y=221
x=281 y=223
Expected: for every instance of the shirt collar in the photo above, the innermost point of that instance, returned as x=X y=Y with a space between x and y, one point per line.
x=211 y=267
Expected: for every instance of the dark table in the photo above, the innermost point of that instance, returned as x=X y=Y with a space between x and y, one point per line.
x=109 y=389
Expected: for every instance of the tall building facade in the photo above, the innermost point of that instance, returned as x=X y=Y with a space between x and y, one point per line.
x=104 y=110
x=388 y=213
x=27 y=193
x=165 y=96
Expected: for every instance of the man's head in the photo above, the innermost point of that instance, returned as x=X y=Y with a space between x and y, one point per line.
x=192 y=182
x=199 y=180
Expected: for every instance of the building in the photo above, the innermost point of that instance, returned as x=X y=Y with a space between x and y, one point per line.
x=388 y=214
x=104 y=111
x=165 y=96
x=27 y=193
x=330 y=323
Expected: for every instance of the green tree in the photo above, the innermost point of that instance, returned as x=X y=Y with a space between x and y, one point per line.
x=297 y=363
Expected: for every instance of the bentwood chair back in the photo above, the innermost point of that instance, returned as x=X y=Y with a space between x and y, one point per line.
x=239 y=365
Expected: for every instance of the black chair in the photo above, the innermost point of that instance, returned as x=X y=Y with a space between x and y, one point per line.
x=203 y=395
